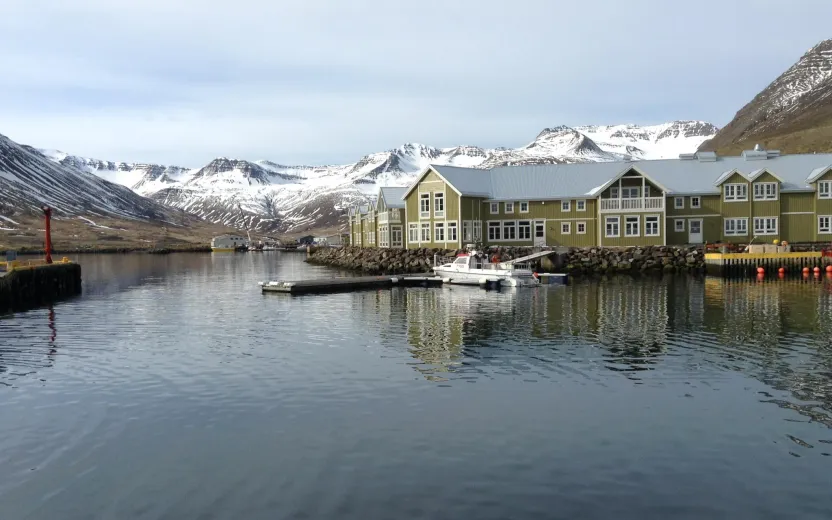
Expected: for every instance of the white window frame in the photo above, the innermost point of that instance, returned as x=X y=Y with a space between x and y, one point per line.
x=467 y=231
x=617 y=222
x=439 y=232
x=424 y=213
x=679 y=202
x=580 y=205
x=656 y=220
x=413 y=239
x=382 y=232
x=765 y=191
x=824 y=229
x=565 y=228
x=762 y=226
x=510 y=225
x=738 y=192
x=614 y=192
x=524 y=225
x=825 y=189
x=580 y=227
x=477 y=230
x=453 y=232
x=439 y=200
x=498 y=226
x=632 y=219
x=565 y=206
x=630 y=190
x=522 y=209
x=679 y=225
x=494 y=208
x=695 y=202
x=424 y=237
x=735 y=232
x=508 y=207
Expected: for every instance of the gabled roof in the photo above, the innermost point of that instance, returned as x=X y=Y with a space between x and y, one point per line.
x=392 y=197
x=474 y=182
x=817 y=173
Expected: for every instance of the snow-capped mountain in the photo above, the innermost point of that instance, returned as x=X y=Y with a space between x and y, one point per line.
x=265 y=195
x=29 y=180
x=793 y=113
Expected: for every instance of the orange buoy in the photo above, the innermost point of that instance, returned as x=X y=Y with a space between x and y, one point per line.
x=781 y=275
x=816 y=270
x=805 y=270
x=782 y=270
x=760 y=270
x=829 y=268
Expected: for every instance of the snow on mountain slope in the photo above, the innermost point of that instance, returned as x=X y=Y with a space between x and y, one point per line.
x=269 y=196
x=29 y=180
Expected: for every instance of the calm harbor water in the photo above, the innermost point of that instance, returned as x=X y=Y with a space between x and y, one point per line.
x=172 y=389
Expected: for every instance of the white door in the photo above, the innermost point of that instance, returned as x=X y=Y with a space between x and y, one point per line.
x=397 y=236
x=539 y=233
x=695 y=231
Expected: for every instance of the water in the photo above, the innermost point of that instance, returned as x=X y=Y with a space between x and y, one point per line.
x=174 y=390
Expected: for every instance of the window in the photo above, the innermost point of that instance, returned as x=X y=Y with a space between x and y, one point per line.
x=565 y=205
x=825 y=224
x=565 y=228
x=509 y=207
x=736 y=192
x=426 y=232
x=452 y=237
x=736 y=226
x=679 y=202
x=524 y=230
x=493 y=231
x=509 y=231
x=477 y=231
x=412 y=233
x=466 y=231
x=439 y=232
x=614 y=192
x=695 y=202
x=629 y=193
x=424 y=205
x=580 y=228
x=631 y=226
x=394 y=214
x=580 y=205
x=439 y=204
x=612 y=226
x=651 y=226
x=825 y=190
x=679 y=225
x=646 y=191
x=524 y=207
x=382 y=236
x=765 y=190
x=765 y=225
x=495 y=208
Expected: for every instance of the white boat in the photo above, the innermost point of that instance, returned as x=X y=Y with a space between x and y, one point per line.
x=475 y=267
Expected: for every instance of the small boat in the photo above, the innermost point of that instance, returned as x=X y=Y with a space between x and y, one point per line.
x=474 y=267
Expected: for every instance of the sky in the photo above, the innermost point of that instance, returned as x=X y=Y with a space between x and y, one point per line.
x=325 y=82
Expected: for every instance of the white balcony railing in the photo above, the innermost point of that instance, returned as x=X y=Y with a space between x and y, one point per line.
x=636 y=204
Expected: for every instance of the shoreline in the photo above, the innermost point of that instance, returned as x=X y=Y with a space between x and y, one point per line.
x=114 y=250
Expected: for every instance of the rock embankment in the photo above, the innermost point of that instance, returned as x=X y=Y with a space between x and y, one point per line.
x=586 y=260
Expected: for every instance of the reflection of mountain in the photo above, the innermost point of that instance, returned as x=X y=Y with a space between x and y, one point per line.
x=655 y=329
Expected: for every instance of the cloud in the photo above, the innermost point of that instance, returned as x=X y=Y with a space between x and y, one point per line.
x=327 y=81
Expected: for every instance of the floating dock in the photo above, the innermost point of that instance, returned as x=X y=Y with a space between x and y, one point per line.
x=329 y=285
x=745 y=264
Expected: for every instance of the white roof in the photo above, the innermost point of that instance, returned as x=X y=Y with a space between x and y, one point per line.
x=393 y=197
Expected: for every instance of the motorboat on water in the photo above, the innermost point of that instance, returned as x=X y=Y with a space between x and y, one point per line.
x=476 y=267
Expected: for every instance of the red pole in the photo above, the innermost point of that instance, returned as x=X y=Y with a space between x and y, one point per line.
x=48 y=215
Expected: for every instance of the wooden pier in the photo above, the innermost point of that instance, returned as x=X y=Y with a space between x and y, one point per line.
x=747 y=264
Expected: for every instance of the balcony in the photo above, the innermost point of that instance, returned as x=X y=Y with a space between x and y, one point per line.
x=630 y=205
x=390 y=217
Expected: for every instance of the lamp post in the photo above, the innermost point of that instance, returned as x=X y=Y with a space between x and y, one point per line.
x=47 y=211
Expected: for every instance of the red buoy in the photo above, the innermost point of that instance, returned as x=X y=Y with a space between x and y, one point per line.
x=829 y=268
x=816 y=269
x=805 y=270
x=782 y=270
x=760 y=270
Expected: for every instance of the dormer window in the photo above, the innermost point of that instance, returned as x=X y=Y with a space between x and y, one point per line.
x=736 y=192
x=765 y=191
x=825 y=190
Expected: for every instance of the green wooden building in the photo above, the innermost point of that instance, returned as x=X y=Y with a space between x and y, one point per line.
x=701 y=197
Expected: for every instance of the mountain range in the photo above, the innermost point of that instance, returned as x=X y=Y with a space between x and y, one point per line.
x=792 y=114
x=271 y=197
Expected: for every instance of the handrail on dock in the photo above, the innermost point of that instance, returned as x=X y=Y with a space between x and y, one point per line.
x=28 y=264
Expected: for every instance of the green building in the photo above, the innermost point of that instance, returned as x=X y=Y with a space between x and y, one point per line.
x=700 y=197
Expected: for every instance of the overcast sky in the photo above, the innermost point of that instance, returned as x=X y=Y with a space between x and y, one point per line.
x=313 y=82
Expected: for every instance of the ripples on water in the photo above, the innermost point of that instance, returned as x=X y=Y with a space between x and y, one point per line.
x=174 y=389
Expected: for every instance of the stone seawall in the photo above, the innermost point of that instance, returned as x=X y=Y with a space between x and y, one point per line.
x=586 y=260
x=27 y=288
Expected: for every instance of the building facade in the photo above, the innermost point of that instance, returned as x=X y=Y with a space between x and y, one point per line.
x=759 y=196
